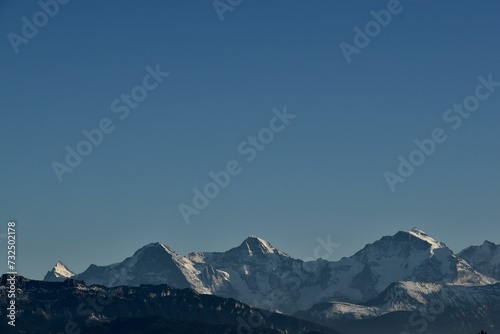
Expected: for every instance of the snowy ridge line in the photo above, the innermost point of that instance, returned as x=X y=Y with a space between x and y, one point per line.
x=263 y=276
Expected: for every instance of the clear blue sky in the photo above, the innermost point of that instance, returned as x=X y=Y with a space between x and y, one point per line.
x=323 y=175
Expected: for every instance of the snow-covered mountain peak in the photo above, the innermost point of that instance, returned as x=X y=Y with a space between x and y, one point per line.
x=414 y=245
x=60 y=270
x=59 y=273
x=254 y=245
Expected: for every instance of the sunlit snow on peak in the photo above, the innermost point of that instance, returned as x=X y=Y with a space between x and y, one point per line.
x=60 y=270
x=424 y=236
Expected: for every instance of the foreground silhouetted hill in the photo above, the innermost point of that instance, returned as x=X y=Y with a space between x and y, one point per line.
x=55 y=307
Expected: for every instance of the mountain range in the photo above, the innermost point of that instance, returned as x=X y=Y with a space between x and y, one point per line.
x=393 y=278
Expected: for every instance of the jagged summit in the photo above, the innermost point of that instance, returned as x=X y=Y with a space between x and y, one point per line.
x=59 y=273
x=485 y=247
x=490 y=244
x=61 y=270
x=485 y=258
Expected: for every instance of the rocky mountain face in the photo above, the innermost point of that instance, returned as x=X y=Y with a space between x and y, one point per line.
x=405 y=256
x=415 y=307
x=485 y=258
x=258 y=274
x=153 y=264
x=73 y=307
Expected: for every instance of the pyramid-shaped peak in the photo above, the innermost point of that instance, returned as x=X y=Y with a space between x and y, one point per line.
x=155 y=247
x=254 y=241
x=255 y=245
x=60 y=270
x=253 y=238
